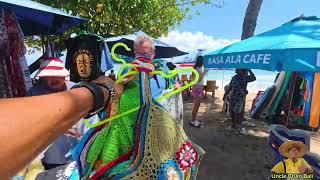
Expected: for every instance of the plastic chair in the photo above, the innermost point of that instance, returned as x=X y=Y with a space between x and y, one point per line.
x=211 y=87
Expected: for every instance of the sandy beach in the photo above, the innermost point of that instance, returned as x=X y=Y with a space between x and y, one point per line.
x=230 y=155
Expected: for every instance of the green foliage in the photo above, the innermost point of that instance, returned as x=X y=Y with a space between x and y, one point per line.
x=119 y=17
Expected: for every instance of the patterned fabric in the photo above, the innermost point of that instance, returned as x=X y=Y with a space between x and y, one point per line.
x=187 y=156
x=5 y=89
x=238 y=91
x=117 y=138
x=17 y=50
x=87 y=58
x=163 y=139
x=12 y=49
x=174 y=105
x=160 y=138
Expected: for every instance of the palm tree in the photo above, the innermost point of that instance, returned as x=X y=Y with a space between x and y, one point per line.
x=250 y=18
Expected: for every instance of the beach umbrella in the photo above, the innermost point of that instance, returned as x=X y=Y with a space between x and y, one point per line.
x=39 y=19
x=294 y=46
x=163 y=50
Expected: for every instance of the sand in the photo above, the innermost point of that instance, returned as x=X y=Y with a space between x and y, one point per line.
x=230 y=155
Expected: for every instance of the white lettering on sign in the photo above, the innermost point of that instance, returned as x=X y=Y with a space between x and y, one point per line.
x=252 y=59
x=228 y=60
x=266 y=59
x=247 y=59
x=318 y=59
x=238 y=59
x=260 y=58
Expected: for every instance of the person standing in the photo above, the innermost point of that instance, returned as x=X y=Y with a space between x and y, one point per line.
x=197 y=91
x=237 y=97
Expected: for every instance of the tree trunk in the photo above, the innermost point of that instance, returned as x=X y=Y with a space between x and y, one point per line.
x=250 y=18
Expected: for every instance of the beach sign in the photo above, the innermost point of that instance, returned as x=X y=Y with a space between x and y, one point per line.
x=294 y=46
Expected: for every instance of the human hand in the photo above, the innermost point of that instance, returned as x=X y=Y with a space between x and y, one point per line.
x=302 y=169
x=118 y=87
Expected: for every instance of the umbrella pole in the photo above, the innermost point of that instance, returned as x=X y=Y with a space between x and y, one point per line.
x=222 y=79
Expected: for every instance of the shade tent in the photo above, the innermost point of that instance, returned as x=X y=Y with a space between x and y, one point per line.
x=163 y=50
x=38 y=19
x=294 y=46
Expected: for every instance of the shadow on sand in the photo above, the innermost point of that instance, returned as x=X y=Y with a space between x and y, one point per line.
x=229 y=155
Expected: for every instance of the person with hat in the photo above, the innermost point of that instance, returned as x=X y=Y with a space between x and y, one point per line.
x=237 y=93
x=52 y=76
x=294 y=164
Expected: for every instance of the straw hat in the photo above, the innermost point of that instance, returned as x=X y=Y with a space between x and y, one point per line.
x=52 y=67
x=284 y=148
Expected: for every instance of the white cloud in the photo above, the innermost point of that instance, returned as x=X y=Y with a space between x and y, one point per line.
x=190 y=42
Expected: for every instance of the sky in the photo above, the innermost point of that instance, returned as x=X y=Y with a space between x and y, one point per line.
x=217 y=27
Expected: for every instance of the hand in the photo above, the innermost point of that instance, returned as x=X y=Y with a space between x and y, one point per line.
x=117 y=87
x=302 y=169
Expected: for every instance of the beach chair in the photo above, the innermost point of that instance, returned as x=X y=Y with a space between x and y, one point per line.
x=184 y=81
x=211 y=87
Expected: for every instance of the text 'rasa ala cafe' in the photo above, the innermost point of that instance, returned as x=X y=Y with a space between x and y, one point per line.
x=239 y=59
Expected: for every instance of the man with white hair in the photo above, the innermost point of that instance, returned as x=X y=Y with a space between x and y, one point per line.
x=144 y=53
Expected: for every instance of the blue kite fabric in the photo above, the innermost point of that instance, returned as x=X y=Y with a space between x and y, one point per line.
x=294 y=46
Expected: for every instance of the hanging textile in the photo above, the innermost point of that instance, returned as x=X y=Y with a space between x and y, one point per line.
x=174 y=105
x=163 y=149
x=5 y=87
x=12 y=83
x=158 y=148
x=84 y=57
x=17 y=50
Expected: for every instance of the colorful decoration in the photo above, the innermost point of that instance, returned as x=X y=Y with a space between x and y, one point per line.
x=187 y=156
x=172 y=174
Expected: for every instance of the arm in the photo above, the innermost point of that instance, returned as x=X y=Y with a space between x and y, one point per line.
x=305 y=168
x=29 y=125
x=38 y=123
x=278 y=168
x=251 y=77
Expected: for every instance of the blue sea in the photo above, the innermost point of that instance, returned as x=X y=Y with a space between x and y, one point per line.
x=264 y=80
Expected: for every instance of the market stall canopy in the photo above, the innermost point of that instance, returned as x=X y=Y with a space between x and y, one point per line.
x=163 y=50
x=294 y=46
x=39 y=19
x=187 y=60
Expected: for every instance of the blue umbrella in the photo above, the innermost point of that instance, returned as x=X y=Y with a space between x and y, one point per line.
x=294 y=46
x=38 y=19
x=163 y=50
